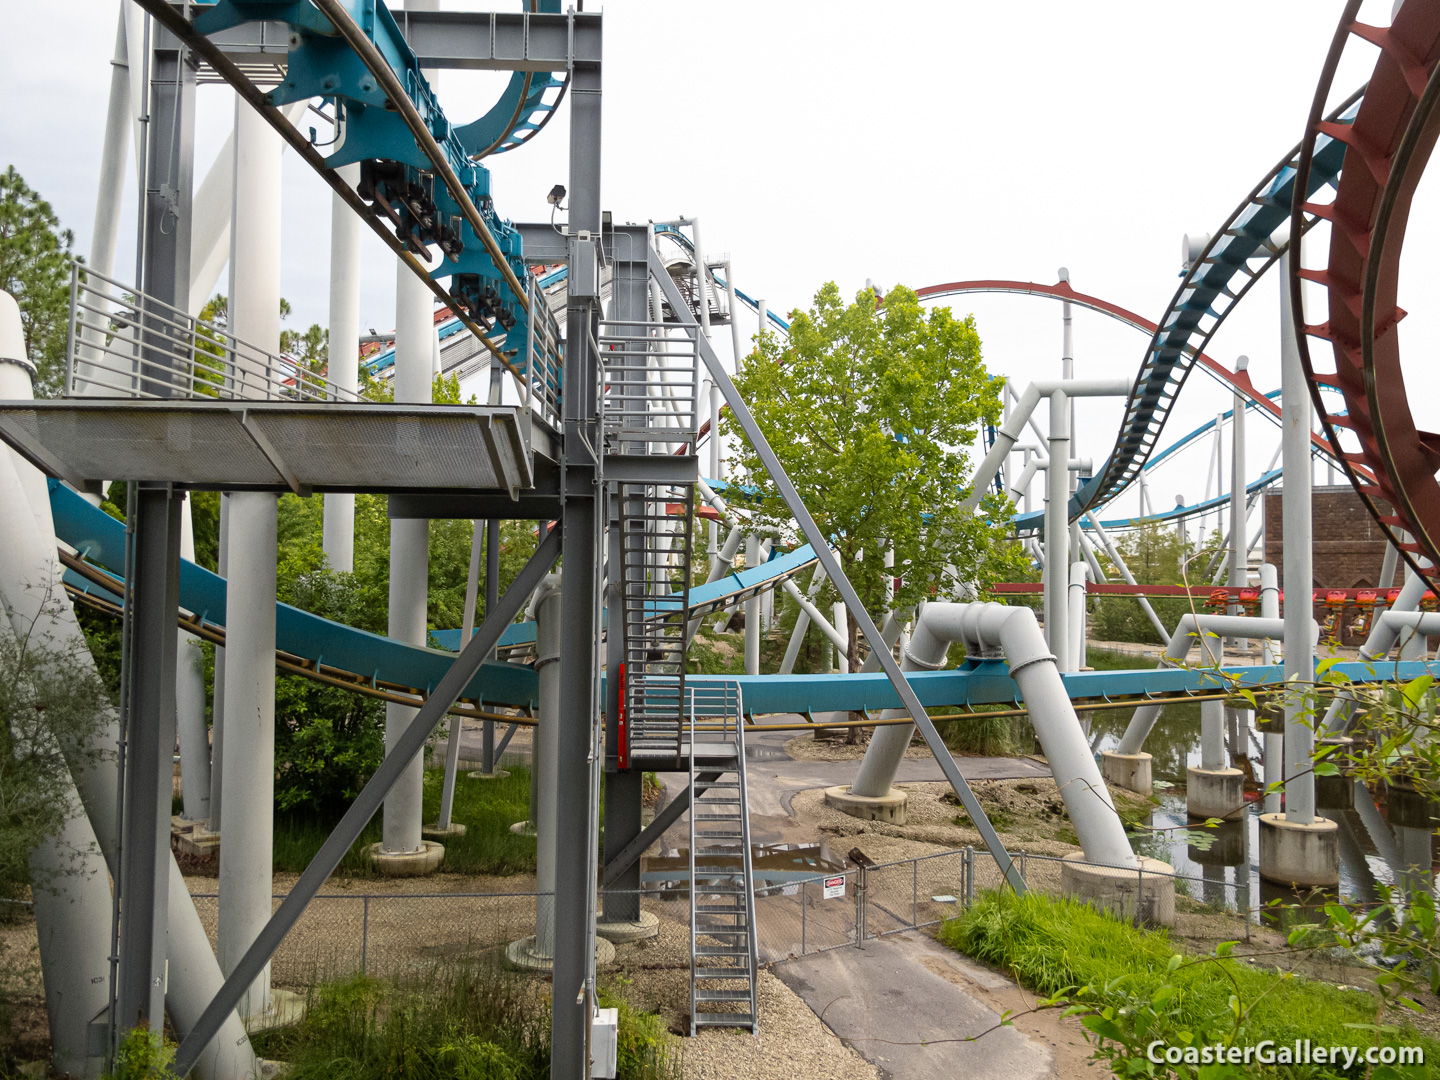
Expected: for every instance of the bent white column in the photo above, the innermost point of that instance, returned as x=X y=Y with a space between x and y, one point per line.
x=344 y=367
x=246 y=855
x=46 y=614
x=402 y=850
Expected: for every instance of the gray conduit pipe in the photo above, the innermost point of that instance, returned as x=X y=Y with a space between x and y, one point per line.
x=995 y=631
x=1208 y=629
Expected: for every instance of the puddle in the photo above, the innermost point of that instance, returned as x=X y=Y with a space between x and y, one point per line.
x=778 y=868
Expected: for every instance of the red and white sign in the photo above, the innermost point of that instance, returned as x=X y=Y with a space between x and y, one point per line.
x=834 y=887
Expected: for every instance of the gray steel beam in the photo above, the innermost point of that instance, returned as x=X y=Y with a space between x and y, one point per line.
x=445 y=694
x=488 y=753
x=149 y=748
x=624 y=858
x=581 y=526
x=473 y=507
x=827 y=560
x=501 y=41
x=623 y=801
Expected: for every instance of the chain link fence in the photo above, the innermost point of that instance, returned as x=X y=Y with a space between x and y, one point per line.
x=386 y=934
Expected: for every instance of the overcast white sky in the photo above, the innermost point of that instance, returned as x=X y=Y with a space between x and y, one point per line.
x=917 y=143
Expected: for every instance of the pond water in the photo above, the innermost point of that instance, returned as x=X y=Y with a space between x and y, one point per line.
x=1227 y=869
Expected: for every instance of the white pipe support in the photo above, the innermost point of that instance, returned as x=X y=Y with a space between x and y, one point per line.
x=548 y=625
x=1385 y=631
x=810 y=612
x=752 y=610
x=1212 y=734
x=802 y=621
x=344 y=356
x=1079 y=575
x=1057 y=531
x=1207 y=629
x=1269 y=607
x=1125 y=573
x=927 y=651
x=842 y=627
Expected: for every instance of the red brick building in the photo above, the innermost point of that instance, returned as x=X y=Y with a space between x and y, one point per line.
x=1348 y=546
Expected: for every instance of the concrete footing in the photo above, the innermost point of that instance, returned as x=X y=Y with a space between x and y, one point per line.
x=478 y=774
x=622 y=933
x=435 y=832
x=1133 y=772
x=284 y=1009
x=523 y=828
x=1296 y=854
x=1147 y=892
x=890 y=808
x=408 y=863
x=192 y=838
x=522 y=955
x=1214 y=793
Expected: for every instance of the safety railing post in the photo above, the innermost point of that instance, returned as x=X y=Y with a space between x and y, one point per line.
x=365 y=937
x=70 y=334
x=802 y=918
x=969 y=875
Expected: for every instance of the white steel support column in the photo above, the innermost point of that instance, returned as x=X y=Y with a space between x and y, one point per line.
x=752 y=610
x=1239 y=531
x=190 y=702
x=249 y=762
x=548 y=624
x=702 y=297
x=409 y=557
x=344 y=355
x=1057 y=530
x=1274 y=741
x=1298 y=573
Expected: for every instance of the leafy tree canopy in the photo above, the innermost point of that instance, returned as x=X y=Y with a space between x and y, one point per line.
x=35 y=268
x=869 y=410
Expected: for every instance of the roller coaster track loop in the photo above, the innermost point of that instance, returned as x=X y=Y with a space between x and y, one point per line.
x=1205 y=293
x=176 y=23
x=1238 y=380
x=1390 y=143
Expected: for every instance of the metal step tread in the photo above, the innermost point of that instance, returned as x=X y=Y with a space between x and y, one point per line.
x=723 y=950
x=724 y=1020
x=722 y=995
x=723 y=973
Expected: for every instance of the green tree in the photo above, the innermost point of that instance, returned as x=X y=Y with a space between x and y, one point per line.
x=869 y=410
x=1156 y=556
x=35 y=268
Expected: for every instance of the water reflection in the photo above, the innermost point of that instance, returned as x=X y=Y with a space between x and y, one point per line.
x=1392 y=845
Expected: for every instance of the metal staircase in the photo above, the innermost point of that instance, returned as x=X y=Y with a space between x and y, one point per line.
x=655 y=552
x=723 y=950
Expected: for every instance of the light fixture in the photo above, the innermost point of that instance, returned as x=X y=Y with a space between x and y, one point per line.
x=556 y=196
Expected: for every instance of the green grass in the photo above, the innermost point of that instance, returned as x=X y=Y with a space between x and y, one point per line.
x=467 y=1020
x=487 y=809
x=1050 y=945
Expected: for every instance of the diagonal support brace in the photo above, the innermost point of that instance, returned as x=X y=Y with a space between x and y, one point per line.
x=832 y=568
x=668 y=815
x=445 y=694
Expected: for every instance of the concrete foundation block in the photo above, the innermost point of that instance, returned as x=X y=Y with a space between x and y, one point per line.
x=889 y=808
x=498 y=774
x=1296 y=854
x=434 y=832
x=1133 y=772
x=286 y=1008
x=1147 y=891
x=523 y=828
x=198 y=841
x=1214 y=793
x=522 y=956
x=408 y=863
x=622 y=933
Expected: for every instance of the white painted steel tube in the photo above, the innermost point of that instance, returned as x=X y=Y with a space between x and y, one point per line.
x=1205 y=629
x=1296 y=507
x=548 y=622
x=1009 y=432
x=842 y=627
x=1125 y=573
x=194 y=975
x=1238 y=575
x=1212 y=734
x=246 y=862
x=927 y=651
x=752 y=610
x=802 y=620
x=1269 y=607
x=409 y=556
x=190 y=701
x=344 y=364
x=1385 y=631
x=1057 y=530
x=467 y=628
x=1079 y=574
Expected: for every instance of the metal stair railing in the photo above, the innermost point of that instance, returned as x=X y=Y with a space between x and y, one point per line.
x=724 y=954
x=655 y=552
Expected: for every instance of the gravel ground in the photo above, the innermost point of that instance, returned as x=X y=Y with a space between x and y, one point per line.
x=809 y=748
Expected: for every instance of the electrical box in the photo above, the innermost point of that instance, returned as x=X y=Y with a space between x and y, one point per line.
x=583 y=279
x=604 y=1042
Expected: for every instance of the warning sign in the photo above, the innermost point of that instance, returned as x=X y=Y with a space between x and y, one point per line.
x=834 y=887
